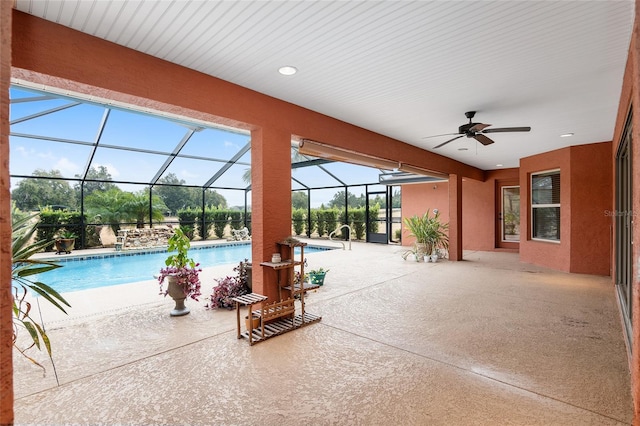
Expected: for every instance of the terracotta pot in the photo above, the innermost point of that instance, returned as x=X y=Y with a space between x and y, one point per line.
x=65 y=245
x=254 y=323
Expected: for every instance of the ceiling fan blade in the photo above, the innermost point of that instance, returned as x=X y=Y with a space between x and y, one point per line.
x=478 y=127
x=436 y=136
x=483 y=139
x=450 y=140
x=507 y=129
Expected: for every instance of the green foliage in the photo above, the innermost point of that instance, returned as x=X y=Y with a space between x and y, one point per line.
x=213 y=198
x=331 y=219
x=220 y=220
x=54 y=222
x=137 y=206
x=428 y=230
x=90 y=186
x=187 y=218
x=338 y=200
x=22 y=271
x=358 y=222
x=298 y=220
x=179 y=242
x=31 y=194
x=374 y=212
x=108 y=207
x=236 y=219
x=299 y=200
x=174 y=197
x=321 y=224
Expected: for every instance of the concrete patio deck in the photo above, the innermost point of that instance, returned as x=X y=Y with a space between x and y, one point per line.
x=488 y=340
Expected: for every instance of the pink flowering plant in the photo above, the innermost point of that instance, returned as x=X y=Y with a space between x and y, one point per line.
x=179 y=265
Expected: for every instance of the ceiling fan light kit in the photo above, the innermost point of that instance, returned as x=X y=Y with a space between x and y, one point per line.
x=477 y=131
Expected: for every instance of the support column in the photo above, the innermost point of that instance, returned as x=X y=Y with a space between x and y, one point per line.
x=455 y=217
x=270 y=203
x=6 y=299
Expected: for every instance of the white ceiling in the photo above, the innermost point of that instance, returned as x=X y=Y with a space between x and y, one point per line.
x=403 y=69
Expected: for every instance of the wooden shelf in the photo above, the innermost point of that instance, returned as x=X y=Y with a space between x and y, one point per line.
x=281 y=326
x=305 y=287
x=281 y=265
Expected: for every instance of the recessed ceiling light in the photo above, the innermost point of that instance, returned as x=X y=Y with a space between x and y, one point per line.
x=498 y=165
x=288 y=70
x=566 y=135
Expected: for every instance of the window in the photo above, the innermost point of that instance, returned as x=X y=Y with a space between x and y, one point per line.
x=545 y=206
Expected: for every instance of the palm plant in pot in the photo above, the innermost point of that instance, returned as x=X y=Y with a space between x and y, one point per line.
x=429 y=232
x=65 y=241
x=181 y=273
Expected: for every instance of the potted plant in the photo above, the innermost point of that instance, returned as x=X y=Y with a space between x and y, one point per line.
x=429 y=232
x=65 y=241
x=316 y=276
x=182 y=274
x=23 y=269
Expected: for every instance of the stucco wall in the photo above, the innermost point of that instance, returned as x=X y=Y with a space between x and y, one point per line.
x=591 y=206
x=478 y=207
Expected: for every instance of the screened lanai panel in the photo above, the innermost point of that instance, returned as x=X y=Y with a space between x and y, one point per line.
x=27 y=155
x=233 y=177
x=314 y=177
x=215 y=143
x=77 y=123
x=353 y=174
x=192 y=171
x=141 y=131
x=128 y=166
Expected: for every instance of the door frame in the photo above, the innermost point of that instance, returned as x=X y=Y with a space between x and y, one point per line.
x=499 y=243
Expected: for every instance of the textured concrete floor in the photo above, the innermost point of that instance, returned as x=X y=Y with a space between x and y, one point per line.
x=485 y=341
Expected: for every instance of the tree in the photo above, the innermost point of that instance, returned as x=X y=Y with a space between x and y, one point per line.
x=31 y=194
x=299 y=200
x=100 y=174
x=176 y=196
x=137 y=208
x=213 y=198
x=108 y=206
x=338 y=200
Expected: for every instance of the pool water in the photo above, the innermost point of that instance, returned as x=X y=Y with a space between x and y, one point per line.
x=93 y=272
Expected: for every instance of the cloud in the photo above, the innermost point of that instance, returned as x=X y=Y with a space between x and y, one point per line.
x=67 y=167
x=229 y=144
x=111 y=169
x=187 y=174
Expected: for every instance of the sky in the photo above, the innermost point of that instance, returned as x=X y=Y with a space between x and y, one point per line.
x=75 y=129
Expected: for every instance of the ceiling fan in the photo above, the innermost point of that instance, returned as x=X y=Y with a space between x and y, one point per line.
x=477 y=131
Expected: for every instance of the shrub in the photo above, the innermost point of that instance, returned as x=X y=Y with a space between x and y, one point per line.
x=358 y=216
x=228 y=288
x=298 y=221
x=331 y=219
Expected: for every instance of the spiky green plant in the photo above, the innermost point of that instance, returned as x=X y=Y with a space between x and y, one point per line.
x=23 y=270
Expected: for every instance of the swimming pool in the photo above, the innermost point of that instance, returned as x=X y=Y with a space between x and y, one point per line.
x=102 y=271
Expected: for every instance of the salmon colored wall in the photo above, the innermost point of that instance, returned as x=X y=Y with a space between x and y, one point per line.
x=549 y=254
x=478 y=207
x=591 y=204
x=418 y=198
x=6 y=299
x=630 y=95
x=585 y=197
